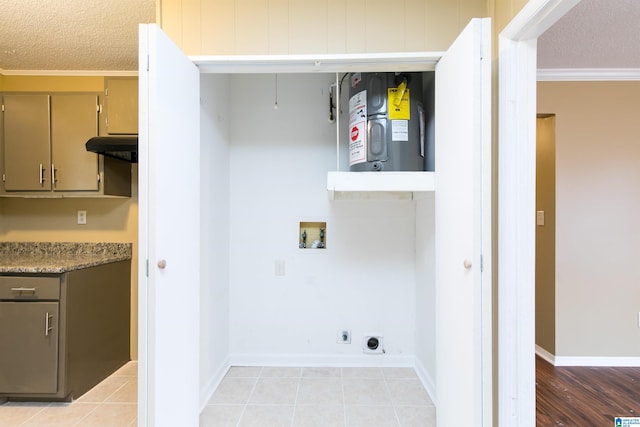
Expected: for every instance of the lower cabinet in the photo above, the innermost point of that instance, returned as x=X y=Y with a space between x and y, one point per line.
x=62 y=334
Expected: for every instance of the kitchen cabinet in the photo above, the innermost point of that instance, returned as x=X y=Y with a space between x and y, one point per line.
x=62 y=334
x=121 y=106
x=44 y=153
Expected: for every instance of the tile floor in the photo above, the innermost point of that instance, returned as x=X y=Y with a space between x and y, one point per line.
x=255 y=396
x=326 y=397
x=112 y=403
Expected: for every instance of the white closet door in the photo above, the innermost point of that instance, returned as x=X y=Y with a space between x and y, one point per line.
x=169 y=236
x=463 y=239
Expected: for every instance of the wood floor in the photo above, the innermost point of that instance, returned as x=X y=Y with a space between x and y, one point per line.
x=585 y=396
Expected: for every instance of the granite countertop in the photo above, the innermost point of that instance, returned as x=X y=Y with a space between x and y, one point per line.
x=54 y=257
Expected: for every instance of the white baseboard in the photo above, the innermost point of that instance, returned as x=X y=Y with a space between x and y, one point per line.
x=426 y=380
x=213 y=383
x=321 y=360
x=614 y=361
x=631 y=362
x=545 y=355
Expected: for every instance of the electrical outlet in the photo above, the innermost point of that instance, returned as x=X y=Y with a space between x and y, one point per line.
x=344 y=336
x=82 y=217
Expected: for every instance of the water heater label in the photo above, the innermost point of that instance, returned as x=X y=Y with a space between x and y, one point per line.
x=399 y=104
x=399 y=130
x=358 y=128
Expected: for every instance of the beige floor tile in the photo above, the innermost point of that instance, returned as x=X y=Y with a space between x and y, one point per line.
x=221 y=415
x=370 y=416
x=13 y=414
x=416 y=416
x=110 y=415
x=267 y=416
x=318 y=416
x=366 y=392
x=129 y=369
x=408 y=392
x=233 y=391
x=320 y=391
x=243 y=372
x=321 y=373
x=60 y=415
x=279 y=391
x=102 y=391
x=395 y=373
x=371 y=373
x=128 y=393
x=280 y=372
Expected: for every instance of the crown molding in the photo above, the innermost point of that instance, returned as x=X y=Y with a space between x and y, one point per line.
x=98 y=73
x=587 y=74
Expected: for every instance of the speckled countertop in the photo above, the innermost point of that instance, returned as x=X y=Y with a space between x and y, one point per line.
x=54 y=257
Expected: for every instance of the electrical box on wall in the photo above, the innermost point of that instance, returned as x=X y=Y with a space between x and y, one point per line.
x=312 y=235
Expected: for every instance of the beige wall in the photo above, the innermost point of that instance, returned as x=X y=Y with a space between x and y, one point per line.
x=45 y=220
x=546 y=233
x=228 y=27
x=597 y=204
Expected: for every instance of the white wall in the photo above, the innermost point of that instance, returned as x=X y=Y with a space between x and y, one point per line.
x=365 y=279
x=214 y=294
x=425 y=338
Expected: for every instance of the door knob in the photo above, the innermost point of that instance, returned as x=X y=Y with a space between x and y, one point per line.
x=467 y=264
x=162 y=264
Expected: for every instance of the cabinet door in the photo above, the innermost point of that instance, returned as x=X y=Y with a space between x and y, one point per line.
x=463 y=229
x=29 y=342
x=74 y=119
x=27 y=153
x=122 y=106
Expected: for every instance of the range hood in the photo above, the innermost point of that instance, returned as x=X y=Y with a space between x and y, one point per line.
x=118 y=147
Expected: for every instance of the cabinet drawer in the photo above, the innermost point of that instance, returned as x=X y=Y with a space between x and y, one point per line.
x=29 y=288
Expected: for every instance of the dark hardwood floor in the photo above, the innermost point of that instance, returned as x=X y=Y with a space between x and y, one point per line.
x=585 y=396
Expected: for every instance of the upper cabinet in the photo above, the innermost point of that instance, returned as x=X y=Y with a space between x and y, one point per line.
x=43 y=148
x=121 y=106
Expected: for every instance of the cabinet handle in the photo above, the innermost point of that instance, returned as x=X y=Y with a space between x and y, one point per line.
x=21 y=290
x=47 y=326
x=162 y=264
x=41 y=172
x=53 y=173
x=467 y=264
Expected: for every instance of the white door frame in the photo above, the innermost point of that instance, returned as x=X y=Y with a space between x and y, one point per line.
x=516 y=208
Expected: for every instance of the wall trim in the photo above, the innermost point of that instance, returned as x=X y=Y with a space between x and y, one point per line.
x=587 y=74
x=72 y=73
x=210 y=387
x=321 y=360
x=544 y=354
x=427 y=381
x=606 y=361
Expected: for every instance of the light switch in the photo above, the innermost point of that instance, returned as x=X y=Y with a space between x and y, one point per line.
x=540 y=218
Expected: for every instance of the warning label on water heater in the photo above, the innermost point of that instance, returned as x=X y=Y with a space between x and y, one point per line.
x=358 y=128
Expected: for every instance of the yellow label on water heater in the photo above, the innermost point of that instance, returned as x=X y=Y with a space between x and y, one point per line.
x=398 y=110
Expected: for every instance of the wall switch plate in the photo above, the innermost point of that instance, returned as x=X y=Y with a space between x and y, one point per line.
x=540 y=218
x=279 y=267
x=82 y=217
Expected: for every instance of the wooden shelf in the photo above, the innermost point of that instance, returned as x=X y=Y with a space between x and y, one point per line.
x=380 y=185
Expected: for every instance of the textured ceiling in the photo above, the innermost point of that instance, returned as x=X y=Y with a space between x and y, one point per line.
x=95 y=35
x=594 y=34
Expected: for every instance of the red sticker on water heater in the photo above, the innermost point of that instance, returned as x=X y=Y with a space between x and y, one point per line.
x=354 y=133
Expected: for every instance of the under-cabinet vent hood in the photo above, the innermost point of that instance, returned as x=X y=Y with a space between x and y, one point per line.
x=119 y=147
